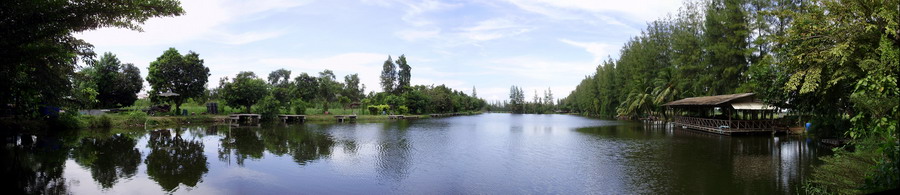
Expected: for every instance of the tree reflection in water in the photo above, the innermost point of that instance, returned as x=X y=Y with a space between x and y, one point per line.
x=33 y=165
x=108 y=159
x=173 y=160
x=304 y=146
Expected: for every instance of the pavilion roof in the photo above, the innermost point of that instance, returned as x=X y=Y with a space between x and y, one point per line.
x=708 y=100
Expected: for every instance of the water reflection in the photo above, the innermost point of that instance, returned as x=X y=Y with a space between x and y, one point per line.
x=33 y=165
x=491 y=153
x=239 y=144
x=108 y=158
x=174 y=160
x=686 y=161
x=393 y=151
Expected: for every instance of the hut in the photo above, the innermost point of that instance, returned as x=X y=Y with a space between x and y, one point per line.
x=724 y=114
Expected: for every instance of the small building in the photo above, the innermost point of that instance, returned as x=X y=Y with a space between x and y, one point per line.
x=724 y=114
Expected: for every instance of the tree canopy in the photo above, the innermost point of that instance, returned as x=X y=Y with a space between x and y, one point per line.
x=244 y=90
x=182 y=74
x=40 y=53
x=116 y=83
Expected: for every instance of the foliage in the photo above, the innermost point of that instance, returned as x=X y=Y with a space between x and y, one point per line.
x=403 y=75
x=116 y=84
x=516 y=100
x=388 y=75
x=280 y=81
x=244 y=90
x=299 y=106
x=842 y=173
x=182 y=74
x=268 y=108
x=328 y=88
x=377 y=109
x=306 y=87
x=353 y=89
x=40 y=53
x=101 y=121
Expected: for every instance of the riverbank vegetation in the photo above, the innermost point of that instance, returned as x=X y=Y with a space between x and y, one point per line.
x=42 y=75
x=832 y=63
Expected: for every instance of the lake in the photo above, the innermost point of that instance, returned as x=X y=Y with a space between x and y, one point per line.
x=478 y=154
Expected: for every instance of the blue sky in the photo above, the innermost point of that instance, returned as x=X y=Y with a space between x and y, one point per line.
x=491 y=45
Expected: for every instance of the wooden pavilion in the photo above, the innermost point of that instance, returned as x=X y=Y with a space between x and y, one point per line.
x=724 y=114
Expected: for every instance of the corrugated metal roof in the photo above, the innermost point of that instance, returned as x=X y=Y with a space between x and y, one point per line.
x=708 y=100
x=752 y=106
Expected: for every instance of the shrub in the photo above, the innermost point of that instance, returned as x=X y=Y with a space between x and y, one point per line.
x=299 y=106
x=136 y=118
x=402 y=110
x=375 y=110
x=268 y=107
x=101 y=121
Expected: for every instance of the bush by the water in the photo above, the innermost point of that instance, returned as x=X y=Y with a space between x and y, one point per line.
x=268 y=107
x=101 y=121
x=377 y=109
x=299 y=106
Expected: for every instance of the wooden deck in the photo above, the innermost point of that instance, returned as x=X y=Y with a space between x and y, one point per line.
x=342 y=118
x=726 y=127
x=248 y=118
x=292 y=118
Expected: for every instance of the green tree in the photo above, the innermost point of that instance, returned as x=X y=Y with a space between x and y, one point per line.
x=269 y=107
x=725 y=44
x=403 y=75
x=388 y=75
x=328 y=88
x=40 y=52
x=516 y=100
x=117 y=84
x=244 y=90
x=171 y=72
x=280 y=80
x=353 y=89
x=846 y=54
x=306 y=87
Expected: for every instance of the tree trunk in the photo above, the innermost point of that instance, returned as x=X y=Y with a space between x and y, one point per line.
x=248 y=109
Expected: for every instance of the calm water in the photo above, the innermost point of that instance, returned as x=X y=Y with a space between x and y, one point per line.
x=482 y=154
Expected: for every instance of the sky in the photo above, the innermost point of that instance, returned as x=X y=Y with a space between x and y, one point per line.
x=486 y=44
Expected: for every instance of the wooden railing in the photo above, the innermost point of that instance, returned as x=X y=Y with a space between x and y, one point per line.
x=719 y=125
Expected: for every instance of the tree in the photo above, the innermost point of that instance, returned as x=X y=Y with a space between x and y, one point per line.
x=172 y=72
x=352 y=88
x=388 y=75
x=404 y=75
x=725 y=45
x=244 y=90
x=306 y=87
x=117 y=84
x=516 y=100
x=40 y=52
x=280 y=80
x=328 y=88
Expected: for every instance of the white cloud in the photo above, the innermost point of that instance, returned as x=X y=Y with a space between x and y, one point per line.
x=543 y=70
x=203 y=20
x=644 y=10
x=494 y=29
x=598 y=50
